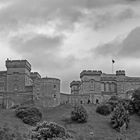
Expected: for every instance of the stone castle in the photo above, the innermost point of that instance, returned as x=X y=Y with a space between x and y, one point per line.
x=19 y=85
x=95 y=87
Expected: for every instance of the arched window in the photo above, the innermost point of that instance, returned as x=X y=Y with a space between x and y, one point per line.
x=15 y=87
x=102 y=87
x=107 y=87
x=92 y=85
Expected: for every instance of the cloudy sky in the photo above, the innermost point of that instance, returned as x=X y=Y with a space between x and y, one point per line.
x=60 y=38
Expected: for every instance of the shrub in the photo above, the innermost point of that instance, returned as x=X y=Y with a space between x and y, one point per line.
x=104 y=109
x=29 y=115
x=113 y=101
x=79 y=114
x=136 y=100
x=14 y=106
x=114 y=98
x=46 y=130
x=119 y=117
x=128 y=105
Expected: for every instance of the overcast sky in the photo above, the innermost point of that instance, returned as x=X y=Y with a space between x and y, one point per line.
x=60 y=38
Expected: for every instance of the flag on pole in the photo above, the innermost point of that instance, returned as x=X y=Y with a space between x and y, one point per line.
x=113 y=61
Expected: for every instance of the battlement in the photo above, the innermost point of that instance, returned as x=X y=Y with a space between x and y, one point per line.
x=18 y=64
x=77 y=83
x=120 y=73
x=50 y=79
x=35 y=75
x=90 y=73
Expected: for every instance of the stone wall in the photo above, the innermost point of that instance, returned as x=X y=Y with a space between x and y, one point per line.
x=16 y=98
x=3 y=81
x=102 y=86
x=47 y=89
x=81 y=99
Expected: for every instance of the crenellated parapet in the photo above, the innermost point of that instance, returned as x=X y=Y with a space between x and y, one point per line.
x=18 y=64
x=120 y=73
x=35 y=75
x=90 y=73
x=75 y=83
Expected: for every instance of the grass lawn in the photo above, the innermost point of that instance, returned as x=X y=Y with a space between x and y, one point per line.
x=96 y=123
x=8 y=119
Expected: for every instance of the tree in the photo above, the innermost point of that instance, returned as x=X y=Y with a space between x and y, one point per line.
x=120 y=117
x=136 y=100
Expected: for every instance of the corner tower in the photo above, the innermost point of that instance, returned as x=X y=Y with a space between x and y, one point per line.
x=18 y=75
x=90 y=82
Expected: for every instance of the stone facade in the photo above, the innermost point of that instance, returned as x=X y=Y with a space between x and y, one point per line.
x=95 y=86
x=18 y=85
x=48 y=90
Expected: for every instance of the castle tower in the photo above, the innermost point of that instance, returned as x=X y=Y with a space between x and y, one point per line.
x=75 y=87
x=90 y=82
x=18 y=75
x=48 y=90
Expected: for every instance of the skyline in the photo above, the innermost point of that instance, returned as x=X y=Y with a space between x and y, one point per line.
x=60 y=38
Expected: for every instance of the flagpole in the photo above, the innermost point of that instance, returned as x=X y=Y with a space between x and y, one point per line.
x=113 y=61
x=112 y=68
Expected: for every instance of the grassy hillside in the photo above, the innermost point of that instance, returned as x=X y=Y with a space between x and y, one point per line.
x=8 y=119
x=97 y=124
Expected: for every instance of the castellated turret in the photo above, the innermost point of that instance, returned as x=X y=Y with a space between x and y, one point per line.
x=24 y=64
x=18 y=75
x=75 y=85
x=120 y=73
x=90 y=73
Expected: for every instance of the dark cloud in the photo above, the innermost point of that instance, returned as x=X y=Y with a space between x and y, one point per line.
x=126 y=14
x=110 y=17
x=131 y=45
x=128 y=48
x=22 y=12
x=43 y=52
x=108 y=49
x=36 y=43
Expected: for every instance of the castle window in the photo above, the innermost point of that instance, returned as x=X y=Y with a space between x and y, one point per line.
x=54 y=86
x=1 y=86
x=92 y=86
x=107 y=87
x=102 y=87
x=15 y=87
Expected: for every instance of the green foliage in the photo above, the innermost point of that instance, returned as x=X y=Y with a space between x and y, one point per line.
x=104 y=109
x=128 y=105
x=136 y=100
x=29 y=115
x=46 y=130
x=79 y=114
x=114 y=98
x=119 y=117
x=113 y=101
